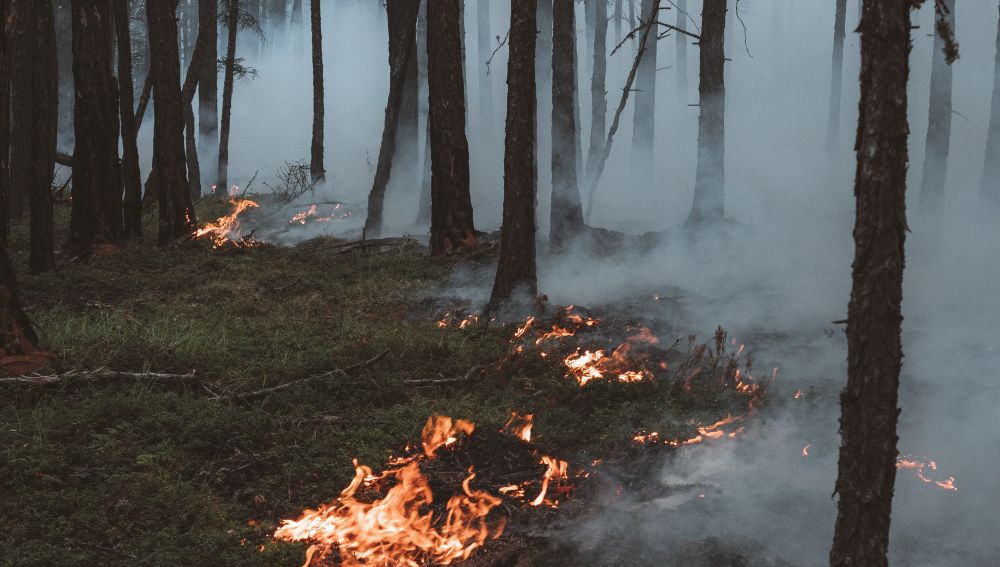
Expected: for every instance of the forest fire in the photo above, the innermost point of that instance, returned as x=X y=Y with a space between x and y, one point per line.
x=311 y=215
x=226 y=230
x=922 y=469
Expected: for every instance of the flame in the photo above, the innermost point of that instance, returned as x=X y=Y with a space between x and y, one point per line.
x=441 y=431
x=310 y=214
x=920 y=468
x=805 y=450
x=227 y=229
x=520 y=425
x=557 y=472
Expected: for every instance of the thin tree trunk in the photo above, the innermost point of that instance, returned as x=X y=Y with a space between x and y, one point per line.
x=316 y=168
x=424 y=206
x=710 y=175
x=406 y=162
x=452 y=226
x=131 y=177
x=566 y=214
x=35 y=100
x=938 y=126
x=487 y=108
x=598 y=86
x=516 y=269
x=543 y=70
x=208 y=78
x=618 y=21
x=176 y=213
x=989 y=187
x=232 y=20
x=682 y=55
x=869 y=408
x=590 y=30
x=836 y=77
x=97 y=197
x=632 y=24
x=644 y=119
x=192 y=81
x=402 y=21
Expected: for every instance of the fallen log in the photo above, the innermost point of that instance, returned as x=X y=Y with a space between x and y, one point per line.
x=100 y=373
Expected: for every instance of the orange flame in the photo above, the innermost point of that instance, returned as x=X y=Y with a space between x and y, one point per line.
x=520 y=426
x=920 y=468
x=441 y=431
x=227 y=229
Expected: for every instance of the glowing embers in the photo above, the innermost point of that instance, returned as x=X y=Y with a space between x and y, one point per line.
x=227 y=230
x=926 y=471
x=313 y=214
x=728 y=428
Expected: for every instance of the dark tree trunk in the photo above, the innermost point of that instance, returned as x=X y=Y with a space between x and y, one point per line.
x=19 y=351
x=232 y=19
x=990 y=186
x=598 y=86
x=710 y=175
x=836 y=76
x=516 y=270
x=869 y=410
x=543 y=69
x=405 y=163
x=131 y=177
x=644 y=120
x=938 y=125
x=487 y=109
x=402 y=18
x=4 y=131
x=316 y=168
x=590 y=29
x=35 y=105
x=618 y=21
x=682 y=54
x=452 y=226
x=566 y=214
x=176 y=213
x=192 y=81
x=208 y=78
x=424 y=206
x=97 y=197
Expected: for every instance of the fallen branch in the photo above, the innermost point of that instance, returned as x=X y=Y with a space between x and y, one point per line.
x=100 y=373
x=431 y=381
x=267 y=391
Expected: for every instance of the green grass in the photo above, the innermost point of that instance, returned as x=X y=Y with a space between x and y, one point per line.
x=127 y=473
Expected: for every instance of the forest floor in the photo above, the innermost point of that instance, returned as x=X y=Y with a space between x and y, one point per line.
x=133 y=472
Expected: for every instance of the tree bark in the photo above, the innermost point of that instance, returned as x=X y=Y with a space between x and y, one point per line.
x=96 y=217
x=232 y=23
x=644 y=119
x=516 y=269
x=406 y=162
x=710 y=175
x=207 y=34
x=402 y=21
x=176 y=213
x=682 y=56
x=19 y=350
x=452 y=226
x=935 y=170
x=836 y=76
x=424 y=206
x=566 y=212
x=618 y=21
x=598 y=86
x=208 y=78
x=487 y=108
x=869 y=409
x=317 y=169
x=34 y=89
x=989 y=187
x=4 y=130
x=131 y=177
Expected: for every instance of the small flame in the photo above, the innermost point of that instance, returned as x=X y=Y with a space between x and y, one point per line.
x=920 y=468
x=805 y=450
x=520 y=426
x=227 y=229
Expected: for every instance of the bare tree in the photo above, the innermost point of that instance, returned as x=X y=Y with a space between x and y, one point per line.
x=566 y=214
x=424 y=206
x=836 y=76
x=34 y=88
x=316 y=167
x=710 y=175
x=935 y=169
x=131 y=177
x=869 y=406
x=990 y=185
x=452 y=226
x=618 y=21
x=97 y=197
x=4 y=132
x=516 y=270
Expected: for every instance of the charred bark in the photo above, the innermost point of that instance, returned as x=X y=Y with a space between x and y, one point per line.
x=34 y=90
x=316 y=168
x=836 y=76
x=710 y=175
x=402 y=21
x=644 y=119
x=935 y=170
x=232 y=23
x=131 y=177
x=452 y=226
x=516 y=269
x=96 y=217
x=598 y=86
x=208 y=77
x=176 y=213
x=566 y=213
x=869 y=403
x=989 y=188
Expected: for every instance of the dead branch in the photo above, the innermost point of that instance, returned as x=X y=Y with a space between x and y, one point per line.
x=432 y=381
x=100 y=373
x=500 y=44
x=328 y=374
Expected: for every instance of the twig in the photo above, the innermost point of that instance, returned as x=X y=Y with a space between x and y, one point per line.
x=464 y=378
x=499 y=46
x=43 y=380
x=267 y=391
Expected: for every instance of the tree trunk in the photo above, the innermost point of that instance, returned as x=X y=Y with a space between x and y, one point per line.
x=4 y=131
x=710 y=175
x=598 y=86
x=405 y=163
x=232 y=19
x=208 y=79
x=19 y=351
x=682 y=54
x=176 y=213
x=452 y=226
x=402 y=18
x=34 y=88
x=97 y=197
x=989 y=187
x=487 y=109
x=424 y=206
x=938 y=125
x=644 y=119
x=192 y=80
x=316 y=168
x=590 y=29
x=836 y=77
x=543 y=68
x=618 y=21
x=131 y=177
x=516 y=269
x=869 y=411
x=632 y=24
x=566 y=213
